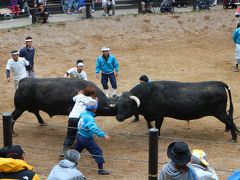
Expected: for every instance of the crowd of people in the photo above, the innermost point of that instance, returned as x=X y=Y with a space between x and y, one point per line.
x=23 y=6
x=184 y=165
x=79 y=6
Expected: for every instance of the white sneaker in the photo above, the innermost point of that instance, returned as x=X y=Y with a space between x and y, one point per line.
x=30 y=16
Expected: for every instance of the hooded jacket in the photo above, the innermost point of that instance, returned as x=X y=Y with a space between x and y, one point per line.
x=169 y=172
x=65 y=170
x=16 y=169
x=203 y=173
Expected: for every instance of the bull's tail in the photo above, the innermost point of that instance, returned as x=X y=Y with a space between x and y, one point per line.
x=231 y=109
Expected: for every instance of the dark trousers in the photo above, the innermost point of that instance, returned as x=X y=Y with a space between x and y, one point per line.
x=90 y=145
x=71 y=133
x=111 y=77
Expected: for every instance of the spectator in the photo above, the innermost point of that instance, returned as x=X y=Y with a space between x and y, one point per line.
x=67 y=169
x=146 y=6
x=13 y=166
x=70 y=4
x=17 y=66
x=143 y=79
x=236 y=39
x=87 y=127
x=178 y=169
x=81 y=100
x=14 y=7
x=77 y=72
x=44 y=2
x=25 y=8
x=201 y=166
x=167 y=6
x=108 y=5
x=42 y=13
x=81 y=7
x=106 y=63
x=28 y=53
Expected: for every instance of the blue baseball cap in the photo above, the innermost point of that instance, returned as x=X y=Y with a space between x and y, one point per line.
x=92 y=105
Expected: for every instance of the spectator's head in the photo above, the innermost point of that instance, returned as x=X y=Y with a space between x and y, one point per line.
x=92 y=106
x=14 y=54
x=105 y=51
x=73 y=156
x=199 y=157
x=143 y=79
x=90 y=91
x=80 y=66
x=29 y=41
x=15 y=152
x=179 y=153
x=40 y=5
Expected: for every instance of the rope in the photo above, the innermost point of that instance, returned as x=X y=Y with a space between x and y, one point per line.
x=144 y=135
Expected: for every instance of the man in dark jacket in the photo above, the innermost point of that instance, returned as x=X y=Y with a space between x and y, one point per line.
x=28 y=53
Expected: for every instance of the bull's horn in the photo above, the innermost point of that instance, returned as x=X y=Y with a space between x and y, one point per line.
x=112 y=105
x=135 y=98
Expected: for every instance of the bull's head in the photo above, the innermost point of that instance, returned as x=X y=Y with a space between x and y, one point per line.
x=126 y=105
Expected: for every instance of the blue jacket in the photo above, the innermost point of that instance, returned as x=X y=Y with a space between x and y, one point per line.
x=236 y=36
x=28 y=55
x=87 y=126
x=81 y=3
x=106 y=66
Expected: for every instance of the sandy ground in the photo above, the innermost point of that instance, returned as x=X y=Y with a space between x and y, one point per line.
x=181 y=47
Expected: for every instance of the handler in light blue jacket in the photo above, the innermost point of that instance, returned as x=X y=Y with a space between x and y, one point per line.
x=236 y=39
x=107 y=63
x=87 y=127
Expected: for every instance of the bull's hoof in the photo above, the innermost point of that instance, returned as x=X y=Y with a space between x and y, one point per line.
x=234 y=141
x=43 y=124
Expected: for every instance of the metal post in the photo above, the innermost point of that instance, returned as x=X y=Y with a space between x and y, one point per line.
x=88 y=9
x=140 y=6
x=7 y=129
x=153 y=154
x=33 y=11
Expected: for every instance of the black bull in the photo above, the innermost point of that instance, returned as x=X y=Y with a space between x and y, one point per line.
x=184 y=101
x=54 y=96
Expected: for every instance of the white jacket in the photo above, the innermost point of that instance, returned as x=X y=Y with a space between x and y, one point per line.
x=203 y=173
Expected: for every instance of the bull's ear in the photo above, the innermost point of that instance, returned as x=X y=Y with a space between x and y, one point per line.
x=112 y=105
x=135 y=98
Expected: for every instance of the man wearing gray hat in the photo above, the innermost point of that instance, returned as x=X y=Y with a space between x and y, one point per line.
x=107 y=63
x=67 y=169
x=17 y=66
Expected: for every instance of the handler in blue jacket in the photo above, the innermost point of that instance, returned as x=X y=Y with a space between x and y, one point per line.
x=87 y=127
x=107 y=63
x=236 y=39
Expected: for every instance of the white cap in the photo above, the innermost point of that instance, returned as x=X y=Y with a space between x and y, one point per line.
x=105 y=49
x=80 y=64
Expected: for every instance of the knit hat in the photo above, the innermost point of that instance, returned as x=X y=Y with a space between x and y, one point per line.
x=92 y=105
x=15 y=152
x=199 y=156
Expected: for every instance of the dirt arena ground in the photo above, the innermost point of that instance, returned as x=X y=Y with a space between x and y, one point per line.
x=182 y=47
